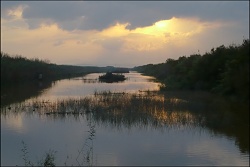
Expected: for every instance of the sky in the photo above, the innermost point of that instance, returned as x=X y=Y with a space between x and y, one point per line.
x=120 y=33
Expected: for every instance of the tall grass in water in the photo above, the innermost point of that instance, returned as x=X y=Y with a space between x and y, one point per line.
x=146 y=109
x=84 y=157
x=118 y=109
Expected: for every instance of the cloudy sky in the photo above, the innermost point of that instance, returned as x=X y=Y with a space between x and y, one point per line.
x=125 y=33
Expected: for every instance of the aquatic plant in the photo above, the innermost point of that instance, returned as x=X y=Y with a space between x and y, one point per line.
x=27 y=162
x=143 y=110
x=48 y=161
x=117 y=109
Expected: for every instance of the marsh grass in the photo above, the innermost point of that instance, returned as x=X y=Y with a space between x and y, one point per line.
x=144 y=109
x=117 y=109
x=47 y=161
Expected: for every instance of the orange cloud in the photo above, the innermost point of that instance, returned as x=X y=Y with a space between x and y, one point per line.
x=49 y=41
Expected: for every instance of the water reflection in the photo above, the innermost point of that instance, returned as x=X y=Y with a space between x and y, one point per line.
x=86 y=80
x=14 y=93
x=223 y=116
x=85 y=154
x=172 y=128
x=150 y=109
x=73 y=87
x=87 y=85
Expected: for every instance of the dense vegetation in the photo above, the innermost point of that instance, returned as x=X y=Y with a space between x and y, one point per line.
x=224 y=70
x=109 y=77
x=19 y=69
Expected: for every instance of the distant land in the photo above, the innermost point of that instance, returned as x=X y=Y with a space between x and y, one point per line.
x=16 y=68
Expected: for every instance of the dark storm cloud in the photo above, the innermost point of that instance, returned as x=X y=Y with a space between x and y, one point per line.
x=99 y=15
x=56 y=10
x=10 y=4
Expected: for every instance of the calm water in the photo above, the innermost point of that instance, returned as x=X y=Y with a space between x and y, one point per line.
x=178 y=128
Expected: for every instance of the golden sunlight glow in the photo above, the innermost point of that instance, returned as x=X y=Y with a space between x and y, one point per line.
x=87 y=45
x=157 y=29
x=175 y=31
x=118 y=30
x=162 y=24
x=16 y=122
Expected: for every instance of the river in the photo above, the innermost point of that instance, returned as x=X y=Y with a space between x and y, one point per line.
x=82 y=121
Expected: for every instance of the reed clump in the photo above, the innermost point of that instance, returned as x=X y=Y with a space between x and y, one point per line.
x=119 y=109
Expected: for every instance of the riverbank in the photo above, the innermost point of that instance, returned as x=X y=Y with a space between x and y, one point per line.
x=18 y=69
x=223 y=71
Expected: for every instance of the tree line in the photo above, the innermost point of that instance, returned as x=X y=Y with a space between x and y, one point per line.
x=16 y=68
x=223 y=70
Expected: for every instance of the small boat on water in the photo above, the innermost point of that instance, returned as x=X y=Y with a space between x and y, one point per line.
x=109 y=77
